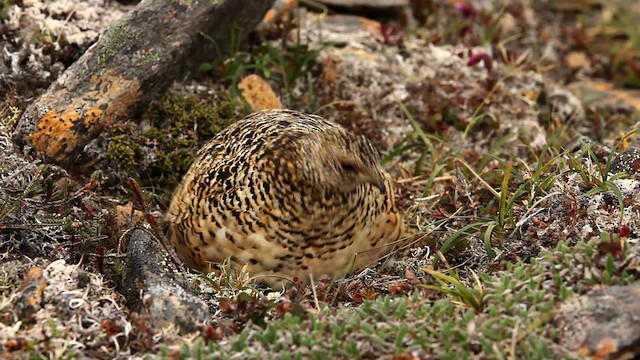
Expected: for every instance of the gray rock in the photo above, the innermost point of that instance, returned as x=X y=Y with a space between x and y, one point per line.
x=366 y=3
x=154 y=287
x=603 y=323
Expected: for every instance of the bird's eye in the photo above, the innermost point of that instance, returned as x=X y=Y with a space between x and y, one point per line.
x=347 y=166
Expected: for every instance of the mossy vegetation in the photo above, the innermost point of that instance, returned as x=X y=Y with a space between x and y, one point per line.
x=124 y=150
x=175 y=128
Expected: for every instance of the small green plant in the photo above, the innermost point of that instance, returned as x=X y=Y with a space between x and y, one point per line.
x=287 y=64
x=419 y=140
x=497 y=225
x=473 y=297
x=494 y=225
x=10 y=205
x=227 y=280
x=600 y=179
x=541 y=179
x=234 y=64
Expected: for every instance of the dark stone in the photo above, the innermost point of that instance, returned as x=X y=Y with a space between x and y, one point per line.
x=154 y=287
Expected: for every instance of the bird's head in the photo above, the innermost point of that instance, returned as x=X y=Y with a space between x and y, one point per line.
x=339 y=161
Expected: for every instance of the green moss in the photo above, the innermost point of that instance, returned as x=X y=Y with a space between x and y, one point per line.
x=175 y=128
x=181 y=114
x=173 y=163
x=179 y=125
x=124 y=150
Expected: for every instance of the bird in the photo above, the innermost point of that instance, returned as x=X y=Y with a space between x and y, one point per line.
x=286 y=195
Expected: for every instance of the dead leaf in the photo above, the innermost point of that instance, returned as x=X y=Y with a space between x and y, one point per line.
x=259 y=93
x=126 y=216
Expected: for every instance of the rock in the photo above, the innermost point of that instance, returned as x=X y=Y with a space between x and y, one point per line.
x=155 y=288
x=343 y=30
x=366 y=3
x=603 y=324
x=127 y=67
x=578 y=60
x=399 y=10
x=627 y=161
x=606 y=97
x=281 y=11
x=31 y=291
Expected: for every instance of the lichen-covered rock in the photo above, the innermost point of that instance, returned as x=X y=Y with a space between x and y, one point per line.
x=125 y=69
x=31 y=291
x=603 y=324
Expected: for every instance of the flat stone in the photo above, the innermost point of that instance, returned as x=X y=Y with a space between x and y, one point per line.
x=366 y=3
x=154 y=287
x=606 y=97
x=603 y=324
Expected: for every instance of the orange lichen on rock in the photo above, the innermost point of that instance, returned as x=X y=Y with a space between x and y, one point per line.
x=127 y=216
x=92 y=117
x=77 y=116
x=329 y=74
x=57 y=132
x=32 y=290
x=280 y=10
x=34 y=278
x=115 y=93
x=604 y=349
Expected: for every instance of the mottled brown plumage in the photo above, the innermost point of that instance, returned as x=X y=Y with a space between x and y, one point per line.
x=286 y=194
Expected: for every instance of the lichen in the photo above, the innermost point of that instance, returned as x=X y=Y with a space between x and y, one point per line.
x=113 y=41
x=148 y=59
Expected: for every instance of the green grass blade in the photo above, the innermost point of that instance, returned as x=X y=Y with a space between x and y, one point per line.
x=487 y=241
